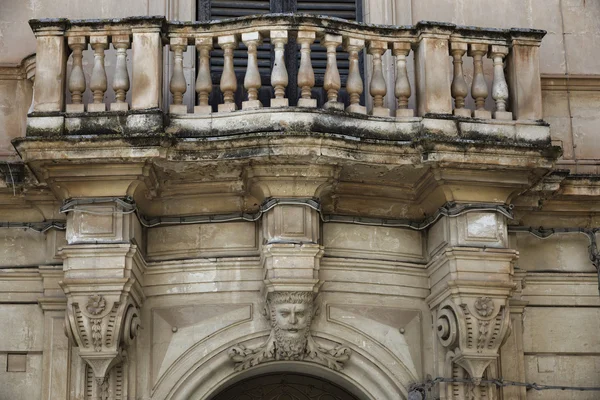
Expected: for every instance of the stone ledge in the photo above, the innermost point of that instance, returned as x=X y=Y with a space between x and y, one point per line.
x=296 y=121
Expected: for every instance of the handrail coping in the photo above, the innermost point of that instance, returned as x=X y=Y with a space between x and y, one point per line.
x=325 y=23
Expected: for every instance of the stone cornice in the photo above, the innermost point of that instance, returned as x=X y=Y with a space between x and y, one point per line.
x=24 y=70
x=572 y=83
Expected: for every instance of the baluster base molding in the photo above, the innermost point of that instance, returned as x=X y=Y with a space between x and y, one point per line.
x=178 y=109
x=228 y=107
x=75 y=108
x=380 y=112
x=462 y=112
x=503 y=115
x=251 y=105
x=405 y=113
x=279 y=103
x=482 y=114
x=96 y=107
x=307 y=103
x=119 y=106
x=334 y=105
x=204 y=110
x=356 y=108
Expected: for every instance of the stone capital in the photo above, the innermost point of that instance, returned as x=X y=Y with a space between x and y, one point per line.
x=289 y=181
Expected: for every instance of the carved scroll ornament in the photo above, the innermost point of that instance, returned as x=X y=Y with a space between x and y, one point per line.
x=473 y=331
x=101 y=326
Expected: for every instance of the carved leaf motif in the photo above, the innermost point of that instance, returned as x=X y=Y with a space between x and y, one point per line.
x=333 y=358
x=97 y=333
x=483 y=333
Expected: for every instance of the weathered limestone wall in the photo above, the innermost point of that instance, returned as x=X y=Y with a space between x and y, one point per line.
x=26 y=248
x=21 y=345
x=560 y=291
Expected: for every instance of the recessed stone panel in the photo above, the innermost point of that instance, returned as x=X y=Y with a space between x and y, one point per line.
x=189 y=241
x=562 y=252
x=561 y=330
x=16 y=362
x=345 y=240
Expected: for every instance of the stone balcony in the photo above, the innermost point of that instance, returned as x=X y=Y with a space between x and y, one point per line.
x=394 y=142
x=431 y=98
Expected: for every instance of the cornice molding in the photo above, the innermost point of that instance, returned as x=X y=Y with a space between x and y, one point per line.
x=572 y=83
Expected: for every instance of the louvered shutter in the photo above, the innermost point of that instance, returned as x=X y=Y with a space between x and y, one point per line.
x=347 y=9
x=223 y=9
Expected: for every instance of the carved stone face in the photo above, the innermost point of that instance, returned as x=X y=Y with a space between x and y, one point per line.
x=291 y=319
x=291 y=315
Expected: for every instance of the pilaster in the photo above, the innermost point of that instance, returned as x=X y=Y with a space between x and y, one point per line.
x=471 y=278
x=57 y=348
x=102 y=284
x=291 y=251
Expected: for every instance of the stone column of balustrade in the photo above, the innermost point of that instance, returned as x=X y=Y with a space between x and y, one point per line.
x=203 y=78
x=178 y=85
x=279 y=75
x=252 y=81
x=306 y=74
x=499 y=86
x=459 y=86
x=354 y=84
x=121 y=78
x=479 y=87
x=98 y=81
x=228 y=79
x=332 y=81
x=402 y=88
x=378 y=87
x=76 y=81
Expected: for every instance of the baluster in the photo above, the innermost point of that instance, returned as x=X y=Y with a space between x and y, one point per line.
x=121 y=79
x=402 y=88
x=459 y=86
x=203 y=80
x=228 y=79
x=378 y=88
x=77 y=78
x=178 y=86
x=98 y=81
x=279 y=75
x=499 y=86
x=354 y=84
x=479 y=89
x=252 y=79
x=331 y=80
x=306 y=75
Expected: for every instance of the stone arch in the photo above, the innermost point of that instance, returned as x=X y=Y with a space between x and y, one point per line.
x=285 y=385
x=206 y=369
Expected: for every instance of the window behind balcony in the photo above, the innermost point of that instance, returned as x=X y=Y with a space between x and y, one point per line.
x=223 y=9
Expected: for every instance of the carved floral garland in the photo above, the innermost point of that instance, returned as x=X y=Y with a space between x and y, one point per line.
x=332 y=358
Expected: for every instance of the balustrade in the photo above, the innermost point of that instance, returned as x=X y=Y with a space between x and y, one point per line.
x=512 y=89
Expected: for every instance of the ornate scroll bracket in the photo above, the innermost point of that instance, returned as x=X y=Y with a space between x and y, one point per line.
x=290 y=339
x=102 y=326
x=473 y=329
